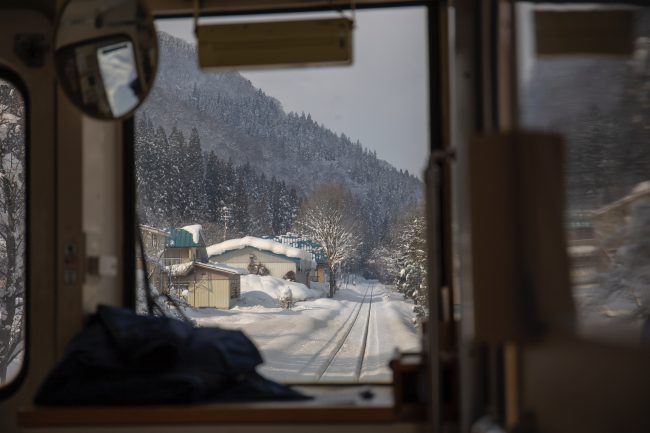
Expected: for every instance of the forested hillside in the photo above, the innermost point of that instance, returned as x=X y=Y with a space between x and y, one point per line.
x=214 y=149
x=178 y=183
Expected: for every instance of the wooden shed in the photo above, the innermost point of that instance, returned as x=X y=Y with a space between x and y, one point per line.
x=207 y=284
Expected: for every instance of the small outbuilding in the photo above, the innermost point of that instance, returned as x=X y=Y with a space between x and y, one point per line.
x=206 y=284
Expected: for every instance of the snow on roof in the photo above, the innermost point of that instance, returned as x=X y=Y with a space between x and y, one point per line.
x=180 y=269
x=222 y=267
x=260 y=244
x=195 y=230
x=150 y=229
x=184 y=269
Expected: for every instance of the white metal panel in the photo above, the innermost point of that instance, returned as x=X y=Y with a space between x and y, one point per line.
x=280 y=269
x=237 y=264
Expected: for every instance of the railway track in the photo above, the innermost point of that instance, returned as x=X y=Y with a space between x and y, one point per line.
x=364 y=340
x=323 y=361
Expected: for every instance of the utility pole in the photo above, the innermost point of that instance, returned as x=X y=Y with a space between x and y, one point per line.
x=226 y=215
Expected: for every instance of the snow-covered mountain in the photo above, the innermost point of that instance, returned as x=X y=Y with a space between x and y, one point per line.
x=241 y=123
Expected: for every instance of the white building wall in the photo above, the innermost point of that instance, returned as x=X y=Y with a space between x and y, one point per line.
x=277 y=265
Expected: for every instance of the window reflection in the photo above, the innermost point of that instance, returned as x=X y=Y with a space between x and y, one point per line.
x=119 y=75
x=601 y=105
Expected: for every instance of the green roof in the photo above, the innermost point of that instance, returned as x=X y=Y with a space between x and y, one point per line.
x=179 y=238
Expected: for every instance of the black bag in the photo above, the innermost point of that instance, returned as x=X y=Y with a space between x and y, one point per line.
x=120 y=358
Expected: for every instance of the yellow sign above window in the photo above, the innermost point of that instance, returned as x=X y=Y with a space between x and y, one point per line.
x=322 y=42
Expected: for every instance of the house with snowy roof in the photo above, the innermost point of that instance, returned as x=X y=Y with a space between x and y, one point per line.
x=320 y=273
x=206 y=284
x=280 y=260
x=184 y=245
x=188 y=272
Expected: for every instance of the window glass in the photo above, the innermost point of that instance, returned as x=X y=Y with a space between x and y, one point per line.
x=600 y=103
x=12 y=231
x=289 y=203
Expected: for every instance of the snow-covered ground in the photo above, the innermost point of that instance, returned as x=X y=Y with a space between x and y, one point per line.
x=347 y=338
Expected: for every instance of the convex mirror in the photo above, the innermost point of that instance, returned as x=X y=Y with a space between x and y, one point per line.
x=106 y=55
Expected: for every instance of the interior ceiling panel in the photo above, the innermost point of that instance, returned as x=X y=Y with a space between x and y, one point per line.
x=46 y=7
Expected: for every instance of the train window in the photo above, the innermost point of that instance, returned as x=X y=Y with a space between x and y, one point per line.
x=600 y=103
x=12 y=230
x=289 y=203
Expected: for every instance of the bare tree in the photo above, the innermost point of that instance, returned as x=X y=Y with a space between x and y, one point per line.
x=329 y=217
x=12 y=226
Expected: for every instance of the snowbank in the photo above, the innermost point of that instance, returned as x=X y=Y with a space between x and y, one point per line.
x=196 y=230
x=265 y=291
x=262 y=244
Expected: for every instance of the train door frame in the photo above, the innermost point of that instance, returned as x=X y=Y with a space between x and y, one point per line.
x=37 y=83
x=438 y=176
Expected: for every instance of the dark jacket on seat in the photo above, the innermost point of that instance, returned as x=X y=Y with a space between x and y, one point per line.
x=120 y=358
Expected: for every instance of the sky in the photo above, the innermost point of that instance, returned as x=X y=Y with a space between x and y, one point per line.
x=382 y=100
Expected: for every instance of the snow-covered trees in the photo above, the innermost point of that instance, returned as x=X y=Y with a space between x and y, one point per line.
x=12 y=225
x=178 y=184
x=257 y=268
x=401 y=259
x=412 y=261
x=193 y=178
x=329 y=216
